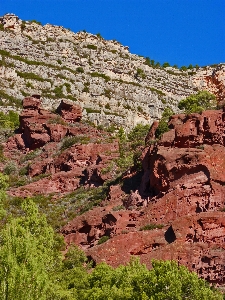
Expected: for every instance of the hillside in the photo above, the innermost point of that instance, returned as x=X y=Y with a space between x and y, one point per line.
x=114 y=193
x=112 y=86
x=160 y=199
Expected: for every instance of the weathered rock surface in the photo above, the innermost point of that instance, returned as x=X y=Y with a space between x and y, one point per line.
x=182 y=196
x=101 y=76
x=43 y=134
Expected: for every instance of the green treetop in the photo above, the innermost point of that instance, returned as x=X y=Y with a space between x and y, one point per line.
x=197 y=103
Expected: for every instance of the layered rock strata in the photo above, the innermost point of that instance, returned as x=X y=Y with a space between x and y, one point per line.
x=111 y=85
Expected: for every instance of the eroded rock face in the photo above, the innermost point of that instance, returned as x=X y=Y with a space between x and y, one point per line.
x=41 y=134
x=70 y=112
x=132 y=99
x=39 y=126
x=182 y=195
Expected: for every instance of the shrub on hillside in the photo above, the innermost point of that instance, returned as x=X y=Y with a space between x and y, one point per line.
x=197 y=103
x=163 y=123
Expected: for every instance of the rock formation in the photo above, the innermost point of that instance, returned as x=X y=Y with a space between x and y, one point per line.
x=65 y=166
x=101 y=76
x=177 y=211
x=180 y=201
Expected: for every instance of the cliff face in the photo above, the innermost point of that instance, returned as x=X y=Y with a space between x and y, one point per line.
x=180 y=203
x=174 y=208
x=111 y=85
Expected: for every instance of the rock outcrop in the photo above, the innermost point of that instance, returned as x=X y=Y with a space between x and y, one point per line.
x=101 y=76
x=178 y=212
x=64 y=151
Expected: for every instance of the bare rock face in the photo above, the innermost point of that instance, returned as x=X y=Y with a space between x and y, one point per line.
x=180 y=201
x=70 y=112
x=212 y=80
x=64 y=168
x=39 y=126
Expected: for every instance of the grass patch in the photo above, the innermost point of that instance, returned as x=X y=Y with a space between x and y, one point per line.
x=32 y=76
x=92 y=111
x=96 y=74
x=93 y=47
x=103 y=239
x=71 y=140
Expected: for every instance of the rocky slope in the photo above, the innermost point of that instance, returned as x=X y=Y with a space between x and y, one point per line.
x=172 y=209
x=177 y=212
x=111 y=85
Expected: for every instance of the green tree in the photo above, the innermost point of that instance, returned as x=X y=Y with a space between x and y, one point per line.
x=137 y=135
x=4 y=183
x=165 y=65
x=166 y=280
x=28 y=258
x=197 y=103
x=163 y=123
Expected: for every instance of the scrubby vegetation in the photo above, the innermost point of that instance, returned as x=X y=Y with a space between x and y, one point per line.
x=163 y=123
x=9 y=120
x=197 y=103
x=32 y=267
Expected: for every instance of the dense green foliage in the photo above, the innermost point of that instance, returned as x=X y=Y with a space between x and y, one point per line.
x=32 y=267
x=9 y=120
x=129 y=146
x=165 y=281
x=197 y=103
x=137 y=135
x=163 y=123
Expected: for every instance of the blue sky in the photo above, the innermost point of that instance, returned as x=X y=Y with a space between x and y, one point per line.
x=180 y=32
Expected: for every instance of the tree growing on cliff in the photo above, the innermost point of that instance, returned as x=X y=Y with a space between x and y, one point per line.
x=197 y=103
x=163 y=123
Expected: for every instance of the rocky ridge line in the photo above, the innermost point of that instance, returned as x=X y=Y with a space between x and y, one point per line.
x=111 y=85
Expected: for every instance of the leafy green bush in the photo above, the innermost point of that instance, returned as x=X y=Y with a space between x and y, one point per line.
x=91 y=110
x=165 y=65
x=99 y=35
x=32 y=76
x=140 y=73
x=163 y=123
x=10 y=168
x=80 y=70
x=137 y=135
x=197 y=103
x=58 y=91
x=166 y=280
x=96 y=74
x=103 y=239
x=4 y=52
x=9 y=120
x=117 y=208
x=36 y=22
x=85 y=89
x=30 y=155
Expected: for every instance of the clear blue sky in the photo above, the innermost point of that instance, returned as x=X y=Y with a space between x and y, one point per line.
x=180 y=32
